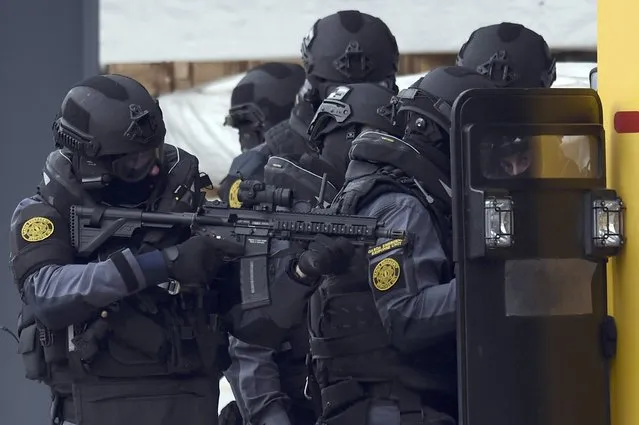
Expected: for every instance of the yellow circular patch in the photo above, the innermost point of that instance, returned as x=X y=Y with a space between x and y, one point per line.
x=234 y=202
x=386 y=274
x=37 y=229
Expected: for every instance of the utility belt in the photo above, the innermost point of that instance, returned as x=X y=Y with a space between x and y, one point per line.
x=349 y=401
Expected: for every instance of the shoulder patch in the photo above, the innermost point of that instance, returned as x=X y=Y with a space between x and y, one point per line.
x=386 y=246
x=234 y=201
x=37 y=229
x=386 y=274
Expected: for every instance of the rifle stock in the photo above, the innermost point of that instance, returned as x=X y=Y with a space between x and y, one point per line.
x=91 y=227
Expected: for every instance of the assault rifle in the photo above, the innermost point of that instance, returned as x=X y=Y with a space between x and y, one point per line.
x=253 y=228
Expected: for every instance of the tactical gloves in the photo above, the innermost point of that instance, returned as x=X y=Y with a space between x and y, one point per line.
x=324 y=256
x=198 y=259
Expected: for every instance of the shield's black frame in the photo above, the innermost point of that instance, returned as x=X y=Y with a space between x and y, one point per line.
x=482 y=403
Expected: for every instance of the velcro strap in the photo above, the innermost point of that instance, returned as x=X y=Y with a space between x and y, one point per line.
x=126 y=272
x=35 y=256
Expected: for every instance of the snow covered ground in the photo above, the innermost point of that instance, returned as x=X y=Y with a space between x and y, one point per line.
x=202 y=30
x=194 y=117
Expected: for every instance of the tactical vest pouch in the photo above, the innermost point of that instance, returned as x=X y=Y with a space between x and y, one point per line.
x=121 y=361
x=139 y=333
x=32 y=353
x=124 y=344
x=146 y=402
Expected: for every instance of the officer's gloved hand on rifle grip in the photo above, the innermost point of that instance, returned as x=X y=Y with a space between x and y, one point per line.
x=324 y=256
x=197 y=260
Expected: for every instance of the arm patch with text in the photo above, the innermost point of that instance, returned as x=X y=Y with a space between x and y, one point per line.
x=385 y=270
x=387 y=246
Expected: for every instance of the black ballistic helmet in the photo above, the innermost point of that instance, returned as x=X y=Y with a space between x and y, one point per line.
x=342 y=116
x=361 y=104
x=112 y=120
x=495 y=149
x=350 y=47
x=510 y=54
x=433 y=95
x=507 y=146
x=263 y=98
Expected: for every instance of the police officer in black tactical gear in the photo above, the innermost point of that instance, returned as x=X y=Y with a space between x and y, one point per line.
x=509 y=54
x=507 y=157
x=269 y=384
x=345 y=113
x=263 y=98
x=383 y=343
x=342 y=48
x=113 y=346
x=520 y=157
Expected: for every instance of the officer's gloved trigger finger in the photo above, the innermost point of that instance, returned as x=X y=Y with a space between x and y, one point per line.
x=230 y=248
x=345 y=246
x=225 y=246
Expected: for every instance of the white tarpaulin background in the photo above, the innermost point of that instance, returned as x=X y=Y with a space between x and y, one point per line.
x=221 y=30
x=194 y=118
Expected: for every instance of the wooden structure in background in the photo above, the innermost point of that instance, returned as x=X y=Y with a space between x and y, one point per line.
x=166 y=77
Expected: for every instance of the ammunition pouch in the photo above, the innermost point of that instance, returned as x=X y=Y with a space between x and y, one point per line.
x=39 y=346
x=32 y=353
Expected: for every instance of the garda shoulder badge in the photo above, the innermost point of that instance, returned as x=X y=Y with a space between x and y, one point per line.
x=37 y=229
x=234 y=202
x=386 y=274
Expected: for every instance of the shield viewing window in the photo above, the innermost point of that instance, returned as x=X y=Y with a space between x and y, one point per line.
x=539 y=156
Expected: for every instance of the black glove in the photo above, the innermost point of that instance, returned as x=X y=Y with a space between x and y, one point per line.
x=198 y=259
x=230 y=415
x=325 y=256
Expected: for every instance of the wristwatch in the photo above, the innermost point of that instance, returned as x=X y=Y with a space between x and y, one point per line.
x=299 y=276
